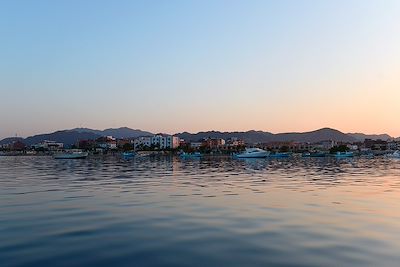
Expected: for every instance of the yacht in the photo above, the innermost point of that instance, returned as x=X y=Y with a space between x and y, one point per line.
x=253 y=153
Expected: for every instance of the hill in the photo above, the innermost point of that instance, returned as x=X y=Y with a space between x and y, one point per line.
x=68 y=137
x=122 y=132
x=263 y=137
x=361 y=137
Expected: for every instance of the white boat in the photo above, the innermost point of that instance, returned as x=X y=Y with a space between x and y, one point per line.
x=253 y=153
x=71 y=155
x=395 y=154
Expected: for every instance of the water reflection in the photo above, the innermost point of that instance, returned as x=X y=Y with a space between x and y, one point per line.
x=165 y=211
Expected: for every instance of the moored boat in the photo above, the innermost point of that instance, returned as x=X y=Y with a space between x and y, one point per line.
x=344 y=154
x=281 y=155
x=191 y=155
x=317 y=154
x=71 y=155
x=253 y=153
x=128 y=155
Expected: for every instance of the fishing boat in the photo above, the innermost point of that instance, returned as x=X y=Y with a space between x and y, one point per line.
x=395 y=154
x=253 y=153
x=344 y=154
x=191 y=155
x=317 y=154
x=71 y=155
x=280 y=155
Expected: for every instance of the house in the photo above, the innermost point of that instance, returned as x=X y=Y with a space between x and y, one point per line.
x=213 y=143
x=234 y=142
x=196 y=145
x=49 y=145
x=106 y=142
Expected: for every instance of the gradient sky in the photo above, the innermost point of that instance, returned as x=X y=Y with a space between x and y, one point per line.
x=170 y=66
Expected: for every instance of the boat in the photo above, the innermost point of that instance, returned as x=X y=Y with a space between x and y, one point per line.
x=191 y=155
x=317 y=154
x=71 y=155
x=253 y=153
x=344 y=154
x=280 y=155
x=395 y=154
x=128 y=155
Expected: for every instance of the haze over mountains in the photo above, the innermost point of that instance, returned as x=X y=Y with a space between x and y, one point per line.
x=72 y=136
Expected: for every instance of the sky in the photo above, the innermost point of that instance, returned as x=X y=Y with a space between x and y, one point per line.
x=173 y=66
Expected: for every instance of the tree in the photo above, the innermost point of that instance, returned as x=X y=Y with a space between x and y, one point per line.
x=127 y=147
x=341 y=148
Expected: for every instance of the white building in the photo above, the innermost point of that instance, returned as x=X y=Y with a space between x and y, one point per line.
x=196 y=144
x=163 y=141
x=160 y=141
x=49 y=145
x=141 y=142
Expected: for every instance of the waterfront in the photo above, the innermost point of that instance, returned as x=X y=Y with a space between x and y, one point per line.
x=166 y=211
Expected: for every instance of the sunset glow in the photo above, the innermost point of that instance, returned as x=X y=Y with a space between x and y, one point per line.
x=194 y=66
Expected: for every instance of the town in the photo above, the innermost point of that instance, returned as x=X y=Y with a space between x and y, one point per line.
x=164 y=143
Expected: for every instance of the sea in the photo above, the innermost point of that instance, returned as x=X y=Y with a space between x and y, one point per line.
x=211 y=211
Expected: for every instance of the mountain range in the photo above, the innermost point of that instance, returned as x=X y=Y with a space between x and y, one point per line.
x=69 y=137
x=123 y=132
x=263 y=137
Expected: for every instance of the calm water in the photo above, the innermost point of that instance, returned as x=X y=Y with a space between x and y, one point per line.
x=209 y=212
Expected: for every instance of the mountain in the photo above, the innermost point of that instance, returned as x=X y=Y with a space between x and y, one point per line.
x=68 y=137
x=123 y=132
x=315 y=136
x=262 y=137
x=361 y=137
x=249 y=136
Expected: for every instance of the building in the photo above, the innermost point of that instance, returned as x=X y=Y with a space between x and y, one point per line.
x=106 y=142
x=234 y=142
x=142 y=142
x=164 y=141
x=392 y=145
x=86 y=144
x=213 y=143
x=375 y=144
x=196 y=145
x=49 y=145
x=14 y=146
x=158 y=141
x=324 y=145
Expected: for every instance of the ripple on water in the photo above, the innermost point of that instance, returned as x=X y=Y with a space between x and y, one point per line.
x=210 y=212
